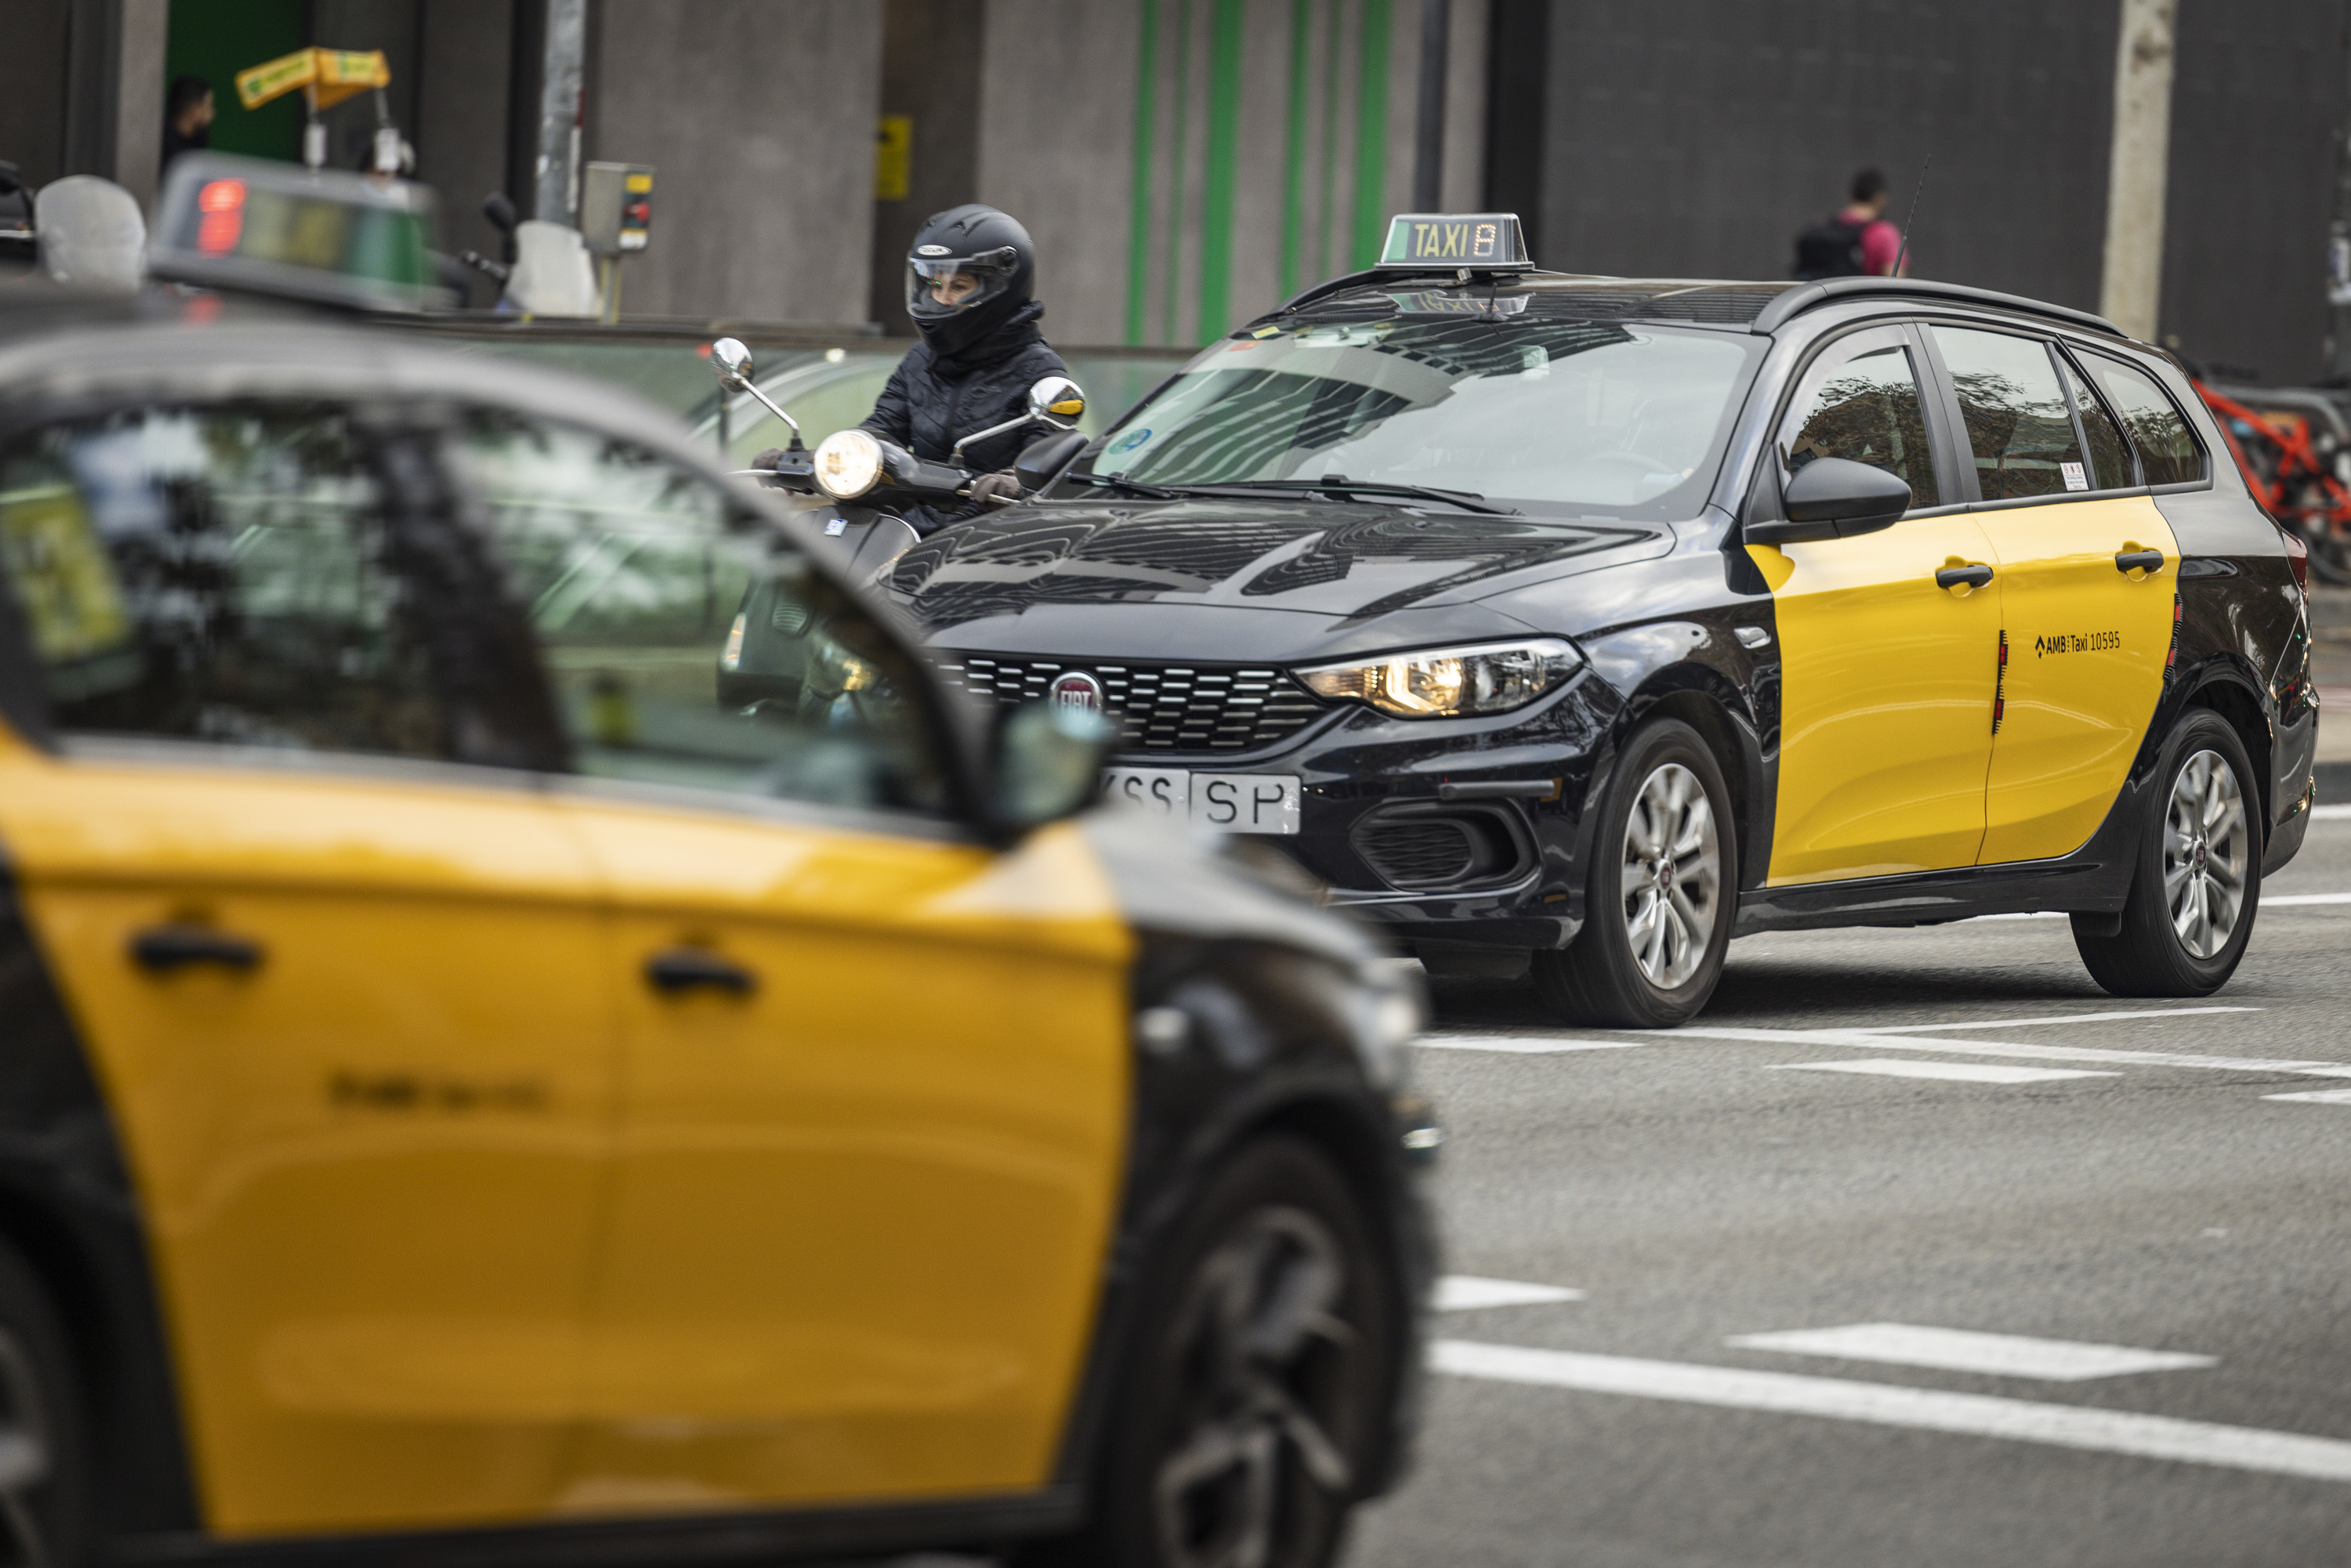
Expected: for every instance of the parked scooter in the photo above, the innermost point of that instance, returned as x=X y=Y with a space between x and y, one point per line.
x=869 y=480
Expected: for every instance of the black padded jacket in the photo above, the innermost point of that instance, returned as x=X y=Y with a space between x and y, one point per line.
x=932 y=399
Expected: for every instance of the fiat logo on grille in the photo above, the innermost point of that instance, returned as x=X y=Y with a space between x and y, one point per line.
x=1076 y=689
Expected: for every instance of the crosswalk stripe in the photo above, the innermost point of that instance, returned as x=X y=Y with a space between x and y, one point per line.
x=1923 y=1409
x=1961 y=1071
x=1969 y=1350
x=1467 y=1292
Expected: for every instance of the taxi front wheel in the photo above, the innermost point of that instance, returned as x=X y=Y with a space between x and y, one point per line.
x=44 y=1473
x=1660 y=892
x=2198 y=882
x=1261 y=1379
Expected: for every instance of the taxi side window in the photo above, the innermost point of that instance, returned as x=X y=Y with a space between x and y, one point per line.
x=2166 y=450
x=217 y=574
x=686 y=640
x=2111 y=468
x=2019 y=427
x=1865 y=408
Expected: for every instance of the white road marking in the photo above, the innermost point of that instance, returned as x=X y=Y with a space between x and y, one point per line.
x=1964 y=1350
x=2068 y=1017
x=1522 y=1045
x=1864 y=1039
x=1963 y=1072
x=2330 y=813
x=2269 y=901
x=1925 y=1409
x=1465 y=1292
x=2317 y=1096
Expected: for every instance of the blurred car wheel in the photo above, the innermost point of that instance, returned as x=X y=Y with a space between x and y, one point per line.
x=1245 y=1421
x=44 y=1475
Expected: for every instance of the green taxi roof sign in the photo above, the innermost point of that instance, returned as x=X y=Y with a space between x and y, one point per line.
x=319 y=235
x=1481 y=242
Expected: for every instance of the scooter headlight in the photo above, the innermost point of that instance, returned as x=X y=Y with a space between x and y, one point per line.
x=847 y=464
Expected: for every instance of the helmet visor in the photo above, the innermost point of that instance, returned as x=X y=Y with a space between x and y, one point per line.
x=943 y=286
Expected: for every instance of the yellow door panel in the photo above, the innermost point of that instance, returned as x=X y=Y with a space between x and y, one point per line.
x=371 y=1167
x=1887 y=684
x=860 y=1212
x=2087 y=645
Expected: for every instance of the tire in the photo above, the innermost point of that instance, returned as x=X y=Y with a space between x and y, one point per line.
x=1653 y=942
x=1259 y=1383
x=43 y=1455
x=2198 y=882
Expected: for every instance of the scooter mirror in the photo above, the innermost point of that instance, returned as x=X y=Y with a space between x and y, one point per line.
x=730 y=362
x=1056 y=400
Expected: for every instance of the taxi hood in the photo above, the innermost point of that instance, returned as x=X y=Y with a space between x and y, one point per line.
x=1195 y=578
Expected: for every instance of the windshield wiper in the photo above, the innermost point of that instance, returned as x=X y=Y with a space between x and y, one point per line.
x=1337 y=485
x=1134 y=486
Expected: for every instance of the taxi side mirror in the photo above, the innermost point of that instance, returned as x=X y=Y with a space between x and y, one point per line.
x=1049 y=759
x=1042 y=462
x=1835 y=497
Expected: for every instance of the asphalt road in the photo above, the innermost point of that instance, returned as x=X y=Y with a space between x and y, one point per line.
x=2182 y=1236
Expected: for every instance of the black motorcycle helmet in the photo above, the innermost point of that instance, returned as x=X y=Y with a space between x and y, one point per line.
x=990 y=252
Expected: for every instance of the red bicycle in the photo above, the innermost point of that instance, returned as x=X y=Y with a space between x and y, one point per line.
x=2296 y=459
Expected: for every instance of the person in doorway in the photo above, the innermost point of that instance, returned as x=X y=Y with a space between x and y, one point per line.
x=187 y=119
x=968 y=276
x=1860 y=241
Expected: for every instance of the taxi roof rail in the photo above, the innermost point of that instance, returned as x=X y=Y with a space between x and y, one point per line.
x=1830 y=290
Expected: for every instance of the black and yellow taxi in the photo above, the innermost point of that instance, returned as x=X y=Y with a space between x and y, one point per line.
x=1576 y=624
x=468 y=1092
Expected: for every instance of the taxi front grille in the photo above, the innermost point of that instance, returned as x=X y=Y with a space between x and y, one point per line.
x=1159 y=708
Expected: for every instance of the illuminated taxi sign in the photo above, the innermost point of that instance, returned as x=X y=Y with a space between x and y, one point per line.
x=1483 y=242
x=321 y=235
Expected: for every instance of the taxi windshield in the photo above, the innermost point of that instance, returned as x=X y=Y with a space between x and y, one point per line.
x=1596 y=417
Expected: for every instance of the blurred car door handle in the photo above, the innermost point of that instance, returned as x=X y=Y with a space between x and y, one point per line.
x=685 y=968
x=162 y=949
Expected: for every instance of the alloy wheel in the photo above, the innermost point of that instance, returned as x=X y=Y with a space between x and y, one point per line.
x=2205 y=846
x=1258 y=1345
x=1672 y=876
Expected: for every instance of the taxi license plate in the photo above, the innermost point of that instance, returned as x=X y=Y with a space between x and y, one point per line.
x=1234 y=802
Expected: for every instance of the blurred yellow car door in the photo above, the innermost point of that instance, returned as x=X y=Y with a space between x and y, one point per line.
x=876 y=1071
x=2088 y=568
x=340 y=988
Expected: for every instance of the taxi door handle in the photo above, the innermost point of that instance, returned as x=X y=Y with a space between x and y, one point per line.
x=689 y=968
x=2150 y=560
x=161 y=949
x=1974 y=576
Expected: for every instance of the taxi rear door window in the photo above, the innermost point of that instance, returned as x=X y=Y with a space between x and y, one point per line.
x=2019 y=427
x=219 y=574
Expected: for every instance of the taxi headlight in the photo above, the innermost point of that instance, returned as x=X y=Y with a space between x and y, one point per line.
x=847 y=464
x=1443 y=683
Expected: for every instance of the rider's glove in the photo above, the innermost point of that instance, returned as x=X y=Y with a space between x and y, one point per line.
x=999 y=488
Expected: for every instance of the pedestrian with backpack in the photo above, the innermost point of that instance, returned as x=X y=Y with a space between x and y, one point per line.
x=1859 y=242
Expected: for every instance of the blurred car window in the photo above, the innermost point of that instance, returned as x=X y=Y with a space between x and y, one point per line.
x=2110 y=457
x=217 y=574
x=686 y=640
x=2166 y=450
x=2015 y=411
x=1863 y=407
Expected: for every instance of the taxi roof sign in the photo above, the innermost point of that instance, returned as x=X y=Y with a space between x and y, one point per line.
x=1481 y=242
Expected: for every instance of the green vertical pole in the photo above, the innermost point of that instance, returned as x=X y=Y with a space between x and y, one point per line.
x=1330 y=192
x=1138 y=222
x=1372 y=135
x=1293 y=176
x=1177 y=149
x=1224 y=148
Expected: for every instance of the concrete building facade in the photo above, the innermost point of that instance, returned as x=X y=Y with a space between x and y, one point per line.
x=1183 y=164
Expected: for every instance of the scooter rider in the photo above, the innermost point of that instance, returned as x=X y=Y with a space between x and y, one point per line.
x=968 y=280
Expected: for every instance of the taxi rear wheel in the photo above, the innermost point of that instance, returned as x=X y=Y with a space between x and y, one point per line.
x=2198 y=883
x=1261 y=1379
x=1661 y=892
x=43 y=1476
